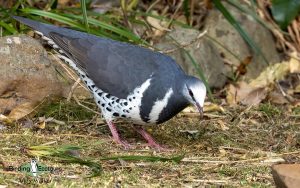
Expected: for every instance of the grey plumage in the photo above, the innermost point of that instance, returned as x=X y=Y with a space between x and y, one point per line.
x=108 y=63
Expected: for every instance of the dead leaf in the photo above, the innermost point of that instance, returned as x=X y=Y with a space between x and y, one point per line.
x=5 y=119
x=194 y=134
x=256 y=90
x=41 y=125
x=271 y=74
x=237 y=93
x=159 y=26
x=253 y=122
x=211 y=107
x=190 y=109
x=208 y=107
x=63 y=2
x=223 y=152
x=276 y=72
x=208 y=4
x=245 y=94
x=21 y=111
x=294 y=66
x=273 y=160
x=255 y=96
x=222 y=125
x=297 y=89
x=242 y=68
x=277 y=98
x=231 y=95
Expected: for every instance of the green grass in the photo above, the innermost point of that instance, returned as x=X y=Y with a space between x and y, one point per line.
x=296 y=110
x=269 y=109
x=65 y=111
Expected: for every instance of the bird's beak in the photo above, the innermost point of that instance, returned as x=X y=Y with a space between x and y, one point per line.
x=200 y=109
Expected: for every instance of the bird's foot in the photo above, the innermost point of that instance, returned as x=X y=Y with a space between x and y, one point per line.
x=124 y=143
x=151 y=142
x=116 y=136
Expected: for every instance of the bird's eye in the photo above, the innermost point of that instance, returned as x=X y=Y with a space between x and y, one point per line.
x=191 y=93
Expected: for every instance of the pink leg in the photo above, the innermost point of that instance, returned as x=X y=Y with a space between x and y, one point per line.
x=151 y=142
x=116 y=136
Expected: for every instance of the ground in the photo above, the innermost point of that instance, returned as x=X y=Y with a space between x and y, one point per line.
x=235 y=148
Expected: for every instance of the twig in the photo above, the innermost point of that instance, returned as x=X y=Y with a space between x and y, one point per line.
x=209 y=181
x=192 y=3
x=193 y=160
x=175 y=12
x=51 y=119
x=37 y=105
x=294 y=116
x=51 y=137
x=78 y=102
x=294 y=55
x=49 y=143
x=240 y=150
x=93 y=119
x=70 y=73
x=74 y=86
x=287 y=97
x=196 y=114
x=79 y=135
x=152 y=5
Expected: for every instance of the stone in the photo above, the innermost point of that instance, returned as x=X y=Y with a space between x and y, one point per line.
x=211 y=56
x=27 y=74
x=222 y=31
x=203 y=51
x=286 y=175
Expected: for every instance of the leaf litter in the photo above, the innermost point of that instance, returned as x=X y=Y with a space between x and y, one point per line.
x=255 y=91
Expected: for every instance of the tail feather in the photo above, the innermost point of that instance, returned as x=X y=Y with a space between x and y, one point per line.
x=38 y=26
x=45 y=29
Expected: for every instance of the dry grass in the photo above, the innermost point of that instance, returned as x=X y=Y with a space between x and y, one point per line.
x=235 y=148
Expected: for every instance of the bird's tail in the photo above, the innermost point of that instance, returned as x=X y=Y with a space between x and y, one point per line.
x=45 y=29
x=37 y=26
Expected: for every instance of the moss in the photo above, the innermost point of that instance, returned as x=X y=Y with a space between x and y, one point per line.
x=269 y=109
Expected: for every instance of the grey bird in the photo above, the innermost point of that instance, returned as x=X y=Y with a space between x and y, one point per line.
x=127 y=81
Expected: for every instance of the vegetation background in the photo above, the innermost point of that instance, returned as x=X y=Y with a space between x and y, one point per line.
x=246 y=129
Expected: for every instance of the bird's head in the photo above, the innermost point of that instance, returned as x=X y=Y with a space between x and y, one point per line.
x=194 y=92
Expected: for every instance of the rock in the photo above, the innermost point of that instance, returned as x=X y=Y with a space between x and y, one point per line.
x=203 y=51
x=286 y=175
x=103 y=6
x=222 y=31
x=210 y=55
x=27 y=75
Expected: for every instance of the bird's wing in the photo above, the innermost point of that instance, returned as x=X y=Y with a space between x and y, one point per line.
x=116 y=67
